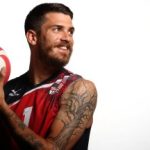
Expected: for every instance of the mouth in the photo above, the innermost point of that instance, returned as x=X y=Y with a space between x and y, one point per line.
x=64 y=48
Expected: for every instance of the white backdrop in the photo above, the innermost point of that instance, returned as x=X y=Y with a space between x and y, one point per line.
x=112 y=44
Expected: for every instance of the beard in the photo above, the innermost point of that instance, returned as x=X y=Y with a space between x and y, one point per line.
x=49 y=59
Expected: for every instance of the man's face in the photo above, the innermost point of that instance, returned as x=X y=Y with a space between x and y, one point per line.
x=55 y=41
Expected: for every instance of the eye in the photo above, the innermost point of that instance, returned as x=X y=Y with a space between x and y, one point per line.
x=57 y=29
x=71 y=32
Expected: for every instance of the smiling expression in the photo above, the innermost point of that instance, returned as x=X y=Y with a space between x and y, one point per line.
x=55 y=40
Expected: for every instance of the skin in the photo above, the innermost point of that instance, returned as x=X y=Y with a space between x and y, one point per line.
x=55 y=41
x=77 y=103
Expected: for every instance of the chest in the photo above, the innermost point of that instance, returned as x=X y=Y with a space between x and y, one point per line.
x=38 y=108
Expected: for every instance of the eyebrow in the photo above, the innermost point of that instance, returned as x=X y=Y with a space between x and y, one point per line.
x=61 y=26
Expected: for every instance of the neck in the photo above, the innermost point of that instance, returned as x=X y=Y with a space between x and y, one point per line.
x=39 y=72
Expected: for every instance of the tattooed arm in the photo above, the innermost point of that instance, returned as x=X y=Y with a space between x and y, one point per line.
x=75 y=114
x=77 y=107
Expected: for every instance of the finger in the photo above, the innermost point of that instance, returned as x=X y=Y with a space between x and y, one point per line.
x=2 y=75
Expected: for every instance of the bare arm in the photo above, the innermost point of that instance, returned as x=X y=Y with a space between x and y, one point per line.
x=77 y=106
x=76 y=111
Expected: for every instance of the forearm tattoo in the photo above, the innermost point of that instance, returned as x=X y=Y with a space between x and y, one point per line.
x=22 y=132
x=20 y=124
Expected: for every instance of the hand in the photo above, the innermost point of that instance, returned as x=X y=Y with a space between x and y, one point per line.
x=2 y=75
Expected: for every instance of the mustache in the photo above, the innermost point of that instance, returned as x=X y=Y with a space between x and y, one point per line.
x=64 y=43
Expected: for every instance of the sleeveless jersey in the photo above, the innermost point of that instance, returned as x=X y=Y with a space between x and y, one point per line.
x=36 y=106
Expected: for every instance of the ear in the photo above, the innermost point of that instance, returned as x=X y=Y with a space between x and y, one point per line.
x=31 y=37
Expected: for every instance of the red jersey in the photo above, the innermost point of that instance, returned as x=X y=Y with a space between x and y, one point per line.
x=35 y=105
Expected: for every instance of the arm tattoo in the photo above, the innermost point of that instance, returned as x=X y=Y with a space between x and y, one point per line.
x=20 y=124
x=20 y=128
x=79 y=104
x=34 y=141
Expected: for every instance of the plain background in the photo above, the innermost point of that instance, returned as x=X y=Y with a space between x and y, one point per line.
x=112 y=44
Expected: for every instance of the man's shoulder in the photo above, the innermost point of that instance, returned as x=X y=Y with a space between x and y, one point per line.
x=80 y=88
x=80 y=81
x=82 y=84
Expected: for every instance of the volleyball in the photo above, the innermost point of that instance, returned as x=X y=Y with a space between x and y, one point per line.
x=5 y=62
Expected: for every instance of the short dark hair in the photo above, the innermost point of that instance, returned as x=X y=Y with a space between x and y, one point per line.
x=36 y=17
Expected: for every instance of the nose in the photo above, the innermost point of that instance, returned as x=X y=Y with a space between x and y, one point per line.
x=66 y=36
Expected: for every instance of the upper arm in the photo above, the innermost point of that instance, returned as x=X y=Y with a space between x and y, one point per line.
x=77 y=106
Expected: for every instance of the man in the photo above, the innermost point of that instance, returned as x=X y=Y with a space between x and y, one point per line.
x=48 y=107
